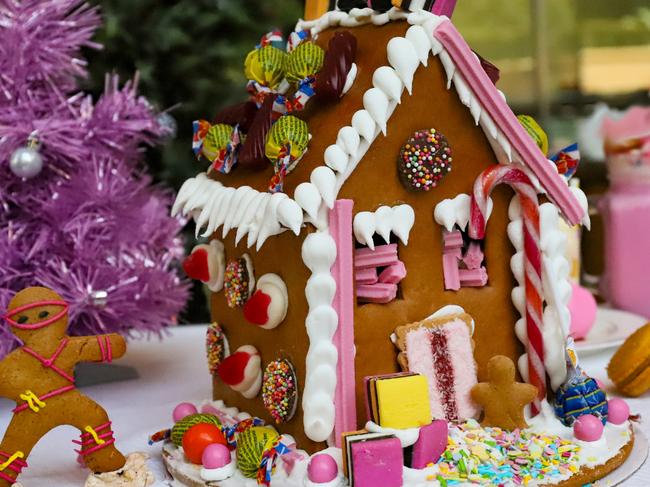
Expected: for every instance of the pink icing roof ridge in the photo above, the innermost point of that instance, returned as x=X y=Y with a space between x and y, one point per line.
x=480 y=84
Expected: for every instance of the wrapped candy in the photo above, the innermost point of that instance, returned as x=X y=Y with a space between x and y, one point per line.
x=217 y=143
x=567 y=160
x=535 y=131
x=286 y=143
x=266 y=66
x=251 y=445
x=304 y=61
x=580 y=394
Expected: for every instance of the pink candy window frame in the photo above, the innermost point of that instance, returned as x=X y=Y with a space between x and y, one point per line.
x=462 y=267
x=372 y=284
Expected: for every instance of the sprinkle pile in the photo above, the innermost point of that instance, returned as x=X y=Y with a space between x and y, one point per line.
x=236 y=282
x=491 y=456
x=214 y=346
x=279 y=391
x=424 y=160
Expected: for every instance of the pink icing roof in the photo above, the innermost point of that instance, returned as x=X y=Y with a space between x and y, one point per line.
x=490 y=98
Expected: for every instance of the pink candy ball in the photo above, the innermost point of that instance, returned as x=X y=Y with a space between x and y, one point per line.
x=618 y=411
x=588 y=428
x=215 y=455
x=322 y=468
x=182 y=410
x=583 y=311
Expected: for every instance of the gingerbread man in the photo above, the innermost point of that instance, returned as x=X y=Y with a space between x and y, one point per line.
x=39 y=377
x=502 y=398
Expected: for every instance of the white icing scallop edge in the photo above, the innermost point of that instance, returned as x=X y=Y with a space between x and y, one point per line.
x=398 y=219
x=556 y=289
x=318 y=254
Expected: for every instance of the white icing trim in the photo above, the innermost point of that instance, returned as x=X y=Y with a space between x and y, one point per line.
x=450 y=212
x=318 y=254
x=406 y=437
x=397 y=219
x=349 y=79
x=555 y=284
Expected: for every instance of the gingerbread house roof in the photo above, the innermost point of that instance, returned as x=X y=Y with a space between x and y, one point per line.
x=257 y=214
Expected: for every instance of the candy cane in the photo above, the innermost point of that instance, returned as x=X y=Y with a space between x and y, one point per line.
x=522 y=185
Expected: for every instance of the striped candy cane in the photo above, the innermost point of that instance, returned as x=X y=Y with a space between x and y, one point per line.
x=522 y=185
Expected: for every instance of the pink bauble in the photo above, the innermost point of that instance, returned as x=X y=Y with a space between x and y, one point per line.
x=588 y=428
x=182 y=410
x=583 y=311
x=322 y=468
x=618 y=411
x=215 y=456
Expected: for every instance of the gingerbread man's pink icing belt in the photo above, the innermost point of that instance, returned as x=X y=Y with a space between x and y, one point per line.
x=37 y=304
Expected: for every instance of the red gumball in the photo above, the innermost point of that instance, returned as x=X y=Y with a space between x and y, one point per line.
x=198 y=437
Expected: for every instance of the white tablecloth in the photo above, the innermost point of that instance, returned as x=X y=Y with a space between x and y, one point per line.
x=171 y=371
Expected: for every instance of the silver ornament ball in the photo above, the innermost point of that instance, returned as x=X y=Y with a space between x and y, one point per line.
x=26 y=162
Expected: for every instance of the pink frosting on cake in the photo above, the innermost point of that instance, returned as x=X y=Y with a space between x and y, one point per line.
x=418 y=346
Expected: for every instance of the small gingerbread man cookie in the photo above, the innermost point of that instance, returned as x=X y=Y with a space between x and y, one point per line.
x=39 y=377
x=502 y=398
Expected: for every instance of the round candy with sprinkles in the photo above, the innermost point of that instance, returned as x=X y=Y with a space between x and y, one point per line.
x=424 y=160
x=216 y=346
x=280 y=390
x=239 y=281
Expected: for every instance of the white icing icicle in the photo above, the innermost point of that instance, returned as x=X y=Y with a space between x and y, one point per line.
x=325 y=180
x=336 y=158
x=290 y=215
x=385 y=220
x=385 y=78
x=375 y=102
x=363 y=123
x=404 y=58
x=364 y=228
x=348 y=140
x=418 y=37
x=309 y=199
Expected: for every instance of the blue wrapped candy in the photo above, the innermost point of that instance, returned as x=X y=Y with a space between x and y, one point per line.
x=580 y=394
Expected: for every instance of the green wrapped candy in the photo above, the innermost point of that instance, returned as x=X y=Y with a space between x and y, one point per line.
x=305 y=60
x=216 y=140
x=266 y=66
x=287 y=130
x=251 y=444
x=187 y=422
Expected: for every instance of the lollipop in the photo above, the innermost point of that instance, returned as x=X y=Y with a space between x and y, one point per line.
x=286 y=143
x=304 y=61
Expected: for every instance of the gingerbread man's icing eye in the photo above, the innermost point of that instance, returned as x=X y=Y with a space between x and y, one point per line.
x=43 y=314
x=267 y=307
x=23 y=319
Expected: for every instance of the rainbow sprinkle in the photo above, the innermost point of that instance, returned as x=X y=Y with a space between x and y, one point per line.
x=214 y=346
x=492 y=456
x=236 y=282
x=424 y=160
x=279 y=391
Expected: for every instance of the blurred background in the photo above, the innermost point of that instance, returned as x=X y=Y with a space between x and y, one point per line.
x=559 y=60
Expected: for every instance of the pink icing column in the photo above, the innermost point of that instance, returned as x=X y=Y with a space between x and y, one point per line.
x=340 y=223
x=520 y=182
x=491 y=99
x=444 y=7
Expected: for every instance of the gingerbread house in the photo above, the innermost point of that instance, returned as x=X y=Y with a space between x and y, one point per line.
x=419 y=194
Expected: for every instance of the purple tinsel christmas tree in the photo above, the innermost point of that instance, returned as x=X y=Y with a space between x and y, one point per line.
x=87 y=222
